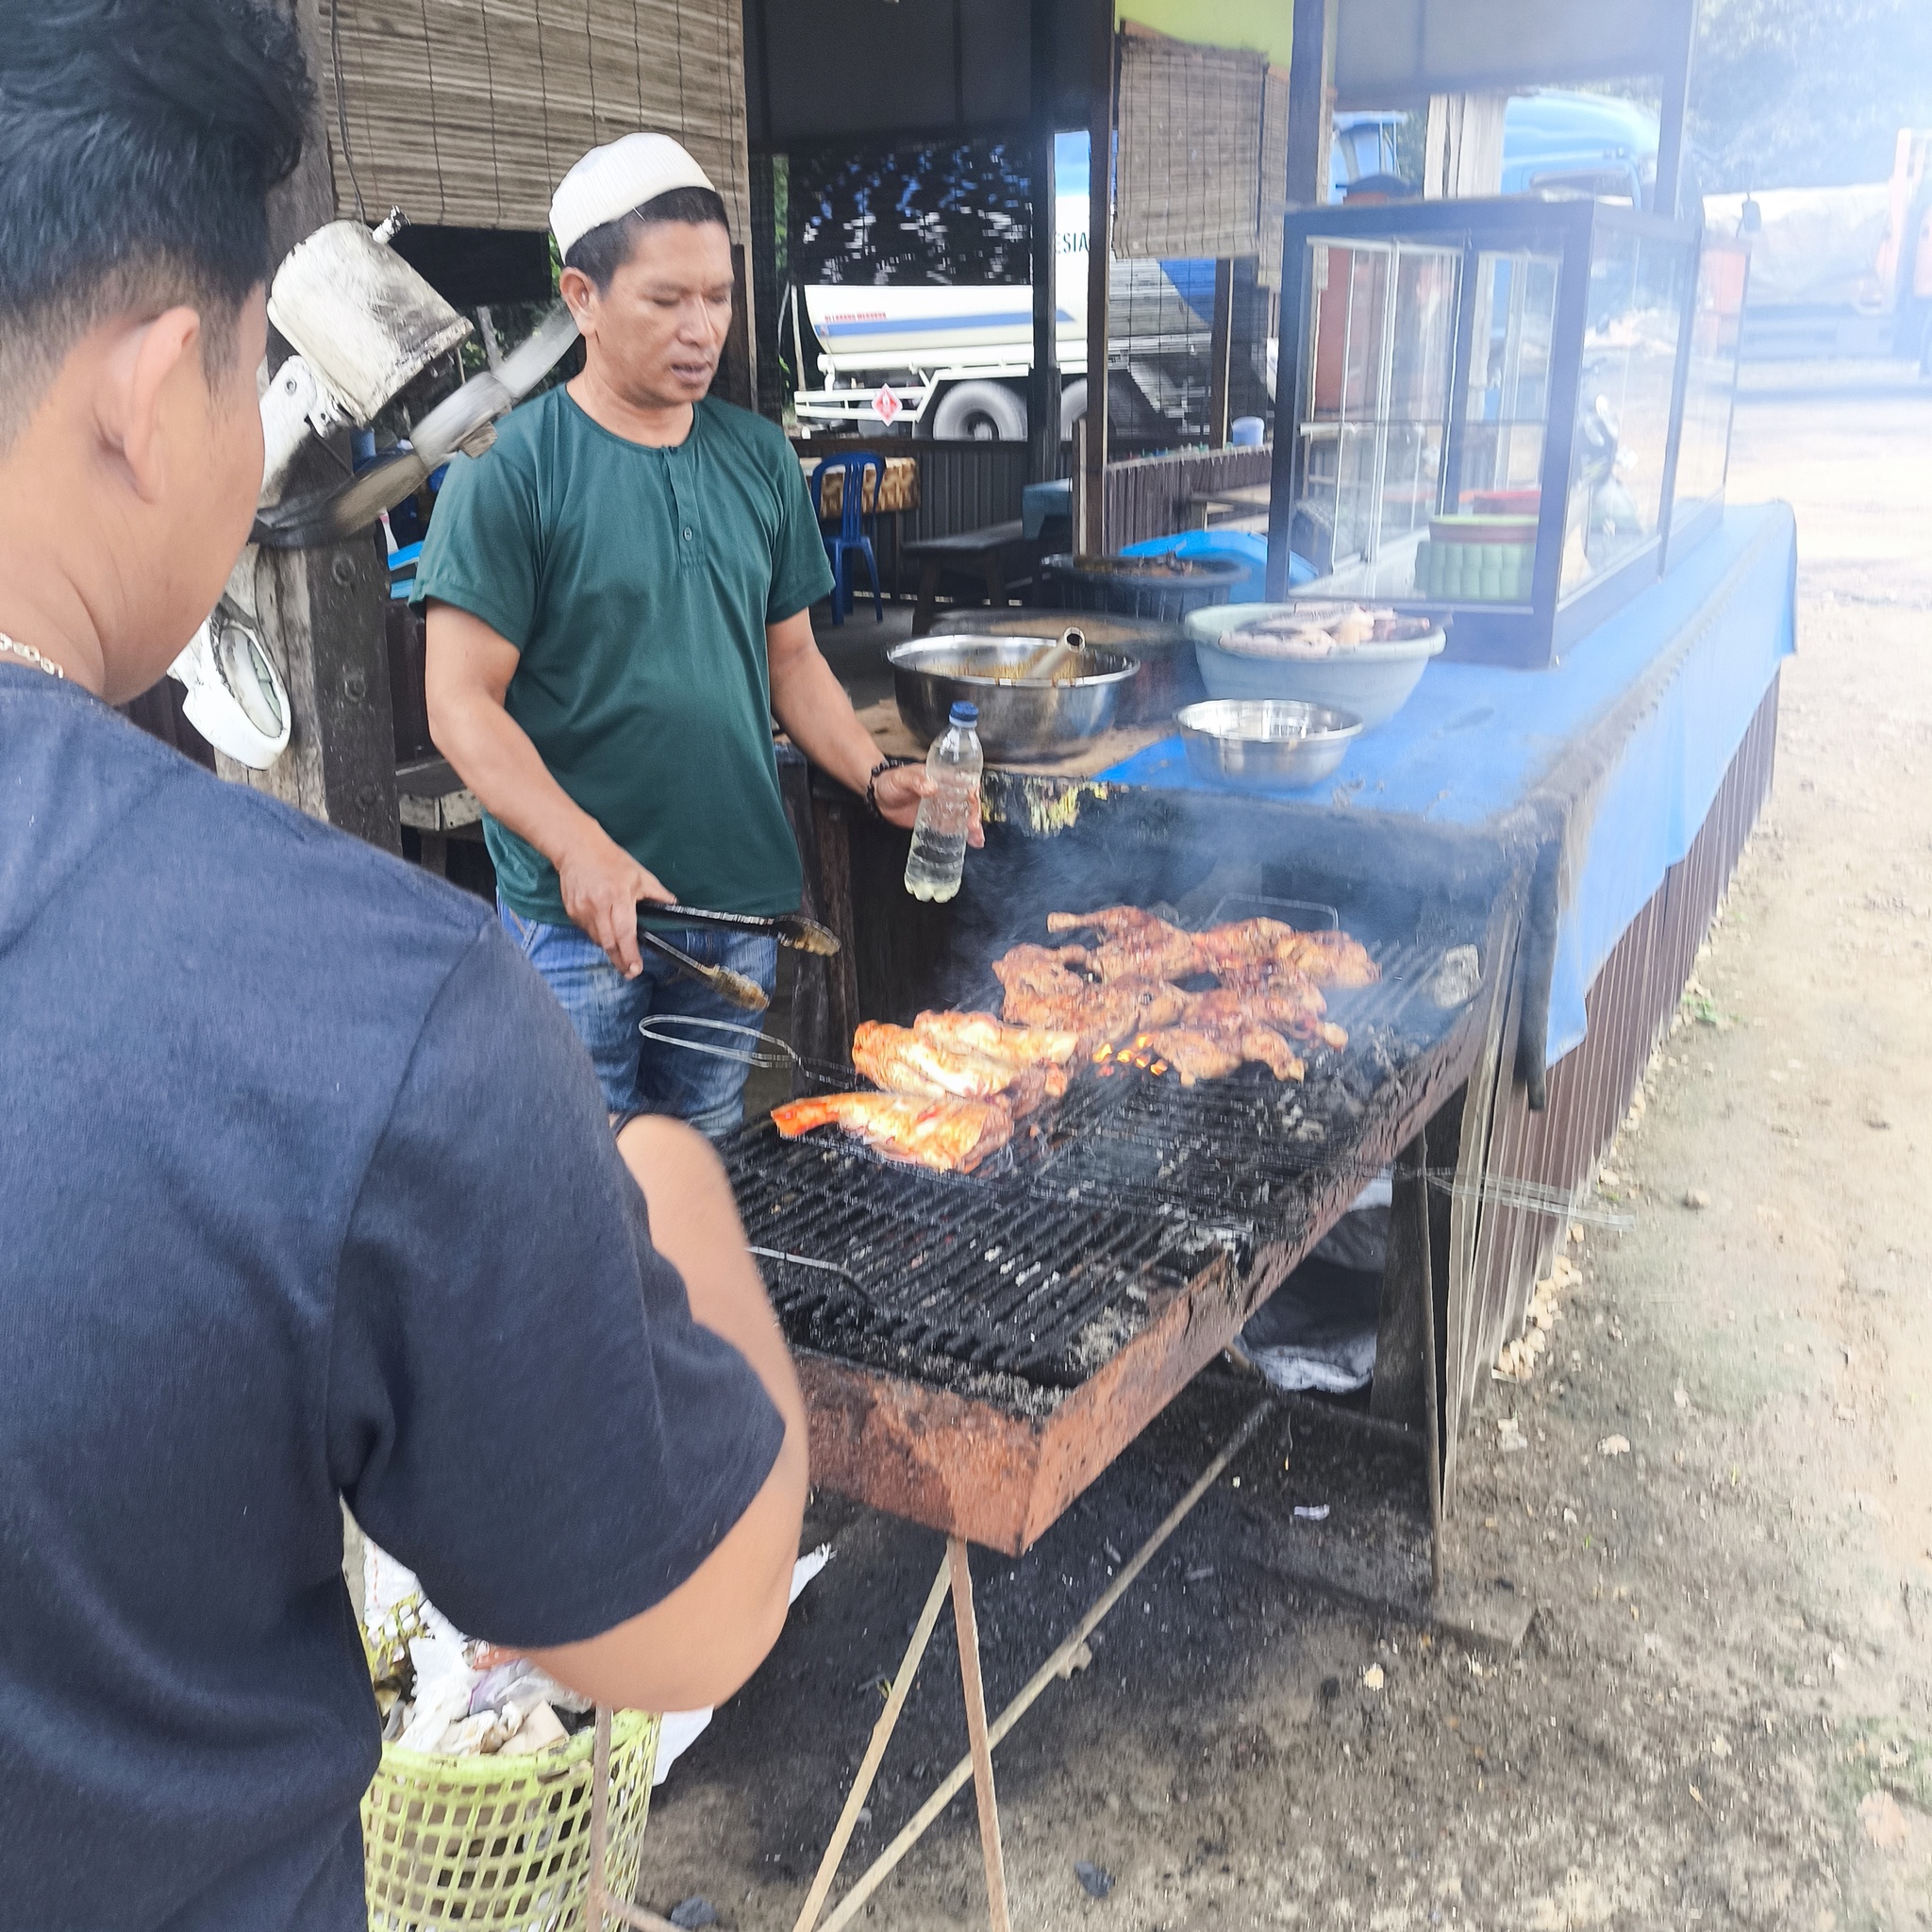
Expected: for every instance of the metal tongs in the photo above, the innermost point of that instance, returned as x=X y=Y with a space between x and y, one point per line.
x=789 y=929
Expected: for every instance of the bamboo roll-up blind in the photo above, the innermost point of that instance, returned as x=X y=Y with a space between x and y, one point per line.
x=1188 y=181
x=467 y=113
x=1273 y=174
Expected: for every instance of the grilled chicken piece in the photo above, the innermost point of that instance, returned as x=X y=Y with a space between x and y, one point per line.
x=1243 y=942
x=1244 y=1018
x=1100 y=1015
x=1267 y=995
x=1111 y=920
x=1332 y=959
x=1045 y=1049
x=898 y=1059
x=1035 y=968
x=1192 y=1054
x=1027 y=1045
x=1206 y=1048
x=1264 y=1044
x=1328 y=958
x=946 y=1135
x=1137 y=945
x=1156 y=952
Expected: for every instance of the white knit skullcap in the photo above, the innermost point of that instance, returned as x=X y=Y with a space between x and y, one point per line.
x=612 y=180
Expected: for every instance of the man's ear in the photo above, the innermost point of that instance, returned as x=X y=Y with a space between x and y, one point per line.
x=131 y=404
x=579 y=294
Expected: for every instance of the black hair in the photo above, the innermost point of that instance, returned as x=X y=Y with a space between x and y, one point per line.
x=600 y=252
x=137 y=143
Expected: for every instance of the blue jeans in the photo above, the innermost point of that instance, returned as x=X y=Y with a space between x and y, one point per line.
x=641 y=1076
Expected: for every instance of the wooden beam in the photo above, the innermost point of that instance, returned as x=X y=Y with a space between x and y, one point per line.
x=1676 y=95
x=1307 y=103
x=1043 y=387
x=1220 y=346
x=1092 y=531
x=1309 y=68
x=321 y=610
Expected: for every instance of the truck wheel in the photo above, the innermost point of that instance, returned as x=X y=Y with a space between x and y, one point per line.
x=1072 y=406
x=980 y=412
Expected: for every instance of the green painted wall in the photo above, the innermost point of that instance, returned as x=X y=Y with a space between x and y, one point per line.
x=1265 y=26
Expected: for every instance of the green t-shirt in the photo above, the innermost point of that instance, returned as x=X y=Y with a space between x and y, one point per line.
x=637 y=584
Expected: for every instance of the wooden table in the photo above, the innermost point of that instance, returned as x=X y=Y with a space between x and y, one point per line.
x=1248 y=503
x=996 y=560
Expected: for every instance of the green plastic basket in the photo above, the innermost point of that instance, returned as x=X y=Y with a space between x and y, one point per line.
x=502 y=1842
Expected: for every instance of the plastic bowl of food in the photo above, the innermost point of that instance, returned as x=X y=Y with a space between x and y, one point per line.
x=1349 y=656
x=1265 y=744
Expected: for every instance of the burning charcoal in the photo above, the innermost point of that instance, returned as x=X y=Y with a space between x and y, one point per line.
x=1096 y=1881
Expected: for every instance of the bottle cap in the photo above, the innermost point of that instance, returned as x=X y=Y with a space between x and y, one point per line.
x=964 y=714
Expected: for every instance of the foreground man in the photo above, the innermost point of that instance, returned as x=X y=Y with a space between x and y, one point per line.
x=619 y=602
x=306 y=1189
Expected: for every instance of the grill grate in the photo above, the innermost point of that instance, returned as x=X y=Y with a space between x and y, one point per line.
x=928 y=1270
x=1038 y=1267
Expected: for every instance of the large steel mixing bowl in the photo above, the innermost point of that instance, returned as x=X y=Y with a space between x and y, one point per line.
x=1019 y=717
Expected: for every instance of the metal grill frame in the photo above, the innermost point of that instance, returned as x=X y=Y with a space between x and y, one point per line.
x=998 y=1462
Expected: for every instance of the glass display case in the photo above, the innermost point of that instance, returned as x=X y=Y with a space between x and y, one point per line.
x=1711 y=388
x=1477 y=410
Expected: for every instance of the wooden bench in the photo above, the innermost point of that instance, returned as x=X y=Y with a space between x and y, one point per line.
x=993 y=562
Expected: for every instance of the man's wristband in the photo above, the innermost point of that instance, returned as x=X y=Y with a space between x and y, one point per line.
x=872 y=783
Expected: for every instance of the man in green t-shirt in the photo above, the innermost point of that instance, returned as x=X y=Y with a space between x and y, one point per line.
x=618 y=603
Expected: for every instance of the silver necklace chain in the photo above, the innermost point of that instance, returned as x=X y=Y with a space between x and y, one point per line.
x=32 y=656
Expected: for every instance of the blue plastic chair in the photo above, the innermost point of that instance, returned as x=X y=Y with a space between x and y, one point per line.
x=852 y=536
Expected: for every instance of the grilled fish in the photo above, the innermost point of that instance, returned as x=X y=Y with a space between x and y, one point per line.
x=904 y=1061
x=946 y=1135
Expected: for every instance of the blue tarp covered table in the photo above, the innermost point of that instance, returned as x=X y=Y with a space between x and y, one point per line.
x=1615 y=755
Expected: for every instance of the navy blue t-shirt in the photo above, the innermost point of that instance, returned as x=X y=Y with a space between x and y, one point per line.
x=306 y=1191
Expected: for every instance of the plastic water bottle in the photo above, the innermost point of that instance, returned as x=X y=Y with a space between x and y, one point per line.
x=939 y=839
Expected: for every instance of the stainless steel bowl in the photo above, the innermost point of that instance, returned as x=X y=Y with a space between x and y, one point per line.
x=1018 y=718
x=1265 y=744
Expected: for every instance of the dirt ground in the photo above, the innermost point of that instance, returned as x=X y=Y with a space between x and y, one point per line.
x=1721 y=1715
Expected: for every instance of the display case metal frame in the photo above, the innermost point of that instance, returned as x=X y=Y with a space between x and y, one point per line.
x=1536 y=633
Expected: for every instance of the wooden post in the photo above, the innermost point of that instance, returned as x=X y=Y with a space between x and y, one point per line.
x=321 y=610
x=1221 y=344
x=1043 y=387
x=1307 y=185
x=736 y=378
x=1677 y=94
x=1463 y=146
x=1307 y=103
x=967 y=1625
x=1091 y=535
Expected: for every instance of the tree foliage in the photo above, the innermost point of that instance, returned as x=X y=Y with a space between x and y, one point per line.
x=1800 y=94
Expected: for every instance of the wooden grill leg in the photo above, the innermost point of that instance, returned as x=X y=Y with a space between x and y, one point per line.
x=599 y=1907
x=968 y=1627
x=1058 y=1667
x=875 y=1751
